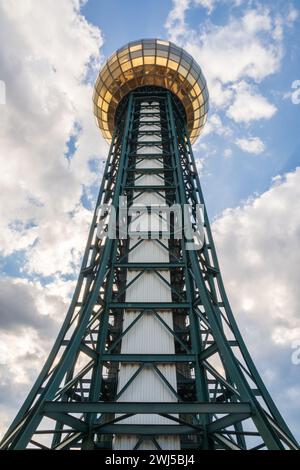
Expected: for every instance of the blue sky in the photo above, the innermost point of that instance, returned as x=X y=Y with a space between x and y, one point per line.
x=52 y=157
x=242 y=176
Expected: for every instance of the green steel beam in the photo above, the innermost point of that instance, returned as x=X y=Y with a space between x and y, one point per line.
x=150 y=305
x=148 y=429
x=146 y=407
x=150 y=266
x=148 y=358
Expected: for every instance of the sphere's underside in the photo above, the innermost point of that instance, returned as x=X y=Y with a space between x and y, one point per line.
x=151 y=62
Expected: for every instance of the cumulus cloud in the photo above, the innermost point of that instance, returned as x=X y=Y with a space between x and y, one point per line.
x=214 y=125
x=258 y=250
x=252 y=145
x=227 y=153
x=175 y=22
x=67 y=236
x=249 y=46
x=49 y=96
x=235 y=56
x=243 y=47
x=249 y=105
x=18 y=308
x=31 y=315
x=31 y=308
x=207 y=4
x=258 y=245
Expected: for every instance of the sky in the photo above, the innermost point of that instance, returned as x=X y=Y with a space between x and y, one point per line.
x=52 y=155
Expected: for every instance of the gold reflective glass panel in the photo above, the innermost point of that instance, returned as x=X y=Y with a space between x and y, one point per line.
x=164 y=43
x=135 y=48
x=151 y=62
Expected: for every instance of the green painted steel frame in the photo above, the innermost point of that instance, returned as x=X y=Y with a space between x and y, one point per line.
x=212 y=406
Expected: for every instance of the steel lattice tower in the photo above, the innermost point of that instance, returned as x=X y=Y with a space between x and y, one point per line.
x=149 y=355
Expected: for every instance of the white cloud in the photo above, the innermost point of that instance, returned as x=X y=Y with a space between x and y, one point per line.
x=292 y=15
x=31 y=317
x=258 y=251
x=227 y=153
x=175 y=22
x=214 y=125
x=249 y=105
x=251 y=145
x=237 y=49
x=48 y=99
x=60 y=243
x=207 y=4
x=220 y=95
x=283 y=21
x=258 y=247
x=249 y=46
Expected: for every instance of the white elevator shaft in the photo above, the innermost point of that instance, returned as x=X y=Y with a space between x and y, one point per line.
x=148 y=335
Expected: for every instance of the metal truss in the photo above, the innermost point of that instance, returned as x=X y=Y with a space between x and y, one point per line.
x=221 y=401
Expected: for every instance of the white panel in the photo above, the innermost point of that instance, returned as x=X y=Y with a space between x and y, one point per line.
x=148 y=335
x=145 y=335
x=145 y=387
x=149 y=149
x=148 y=251
x=148 y=287
x=142 y=222
x=128 y=443
x=149 y=138
x=150 y=180
x=149 y=163
x=149 y=127
x=148 y=198
x=149 y=118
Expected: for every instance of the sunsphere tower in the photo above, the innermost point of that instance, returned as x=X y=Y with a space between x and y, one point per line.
x=149 y=355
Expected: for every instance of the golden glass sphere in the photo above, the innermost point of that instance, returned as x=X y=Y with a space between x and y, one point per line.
x=151 y=62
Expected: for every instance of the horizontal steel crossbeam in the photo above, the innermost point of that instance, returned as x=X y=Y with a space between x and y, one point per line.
x=149 y=305
x=146 y=407
x=150 y=358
